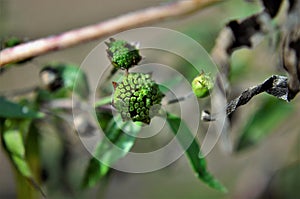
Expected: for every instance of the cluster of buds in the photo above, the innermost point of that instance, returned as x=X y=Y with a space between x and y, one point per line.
x=122 y=54
x=137 y=97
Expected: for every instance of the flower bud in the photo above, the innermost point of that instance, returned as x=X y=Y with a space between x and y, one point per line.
x=137 y=97
x=202 y=85
x=122 y=54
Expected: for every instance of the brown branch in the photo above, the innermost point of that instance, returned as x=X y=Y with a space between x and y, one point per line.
x=96 y=31
x=275 y=85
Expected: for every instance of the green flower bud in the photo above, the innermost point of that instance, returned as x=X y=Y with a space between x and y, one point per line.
x=202 y=85
x=140 y=100
x=122 y=54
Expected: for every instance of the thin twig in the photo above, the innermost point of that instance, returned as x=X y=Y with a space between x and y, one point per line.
x=275 y=85
x=96 y=31
x=70 y=104
x=183 y=98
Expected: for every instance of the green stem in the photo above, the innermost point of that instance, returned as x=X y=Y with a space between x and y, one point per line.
x=24 y=188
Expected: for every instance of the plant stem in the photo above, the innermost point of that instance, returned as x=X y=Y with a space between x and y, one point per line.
x=180 y=99
x=96 y=31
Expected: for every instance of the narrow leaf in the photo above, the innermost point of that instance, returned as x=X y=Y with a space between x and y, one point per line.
x=14 y=142
x=190 y=144
x=10 y=109
x=114 y=146
x=14 y=145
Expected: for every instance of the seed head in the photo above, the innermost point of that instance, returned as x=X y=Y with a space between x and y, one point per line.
x=122 y=54
x=137 y=97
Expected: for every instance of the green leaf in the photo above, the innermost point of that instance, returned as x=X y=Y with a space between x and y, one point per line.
x=103 y=118
x=271 y=113
x=21 y=165
x=190 y=144
x=10 y=109
x=68 y=79
x=32 y=149
x=114 y=146
x=14 y=145
x=13 y=140
x=76 y=80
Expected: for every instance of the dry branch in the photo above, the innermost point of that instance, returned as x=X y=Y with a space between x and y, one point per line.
x=275 y=85
x=102 y=29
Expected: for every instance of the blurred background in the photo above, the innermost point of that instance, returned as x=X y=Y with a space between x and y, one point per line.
x=269 y=168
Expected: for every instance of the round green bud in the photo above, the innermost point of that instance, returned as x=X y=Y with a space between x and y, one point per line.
x=137 y=97
x=122 y=54
x=202 y=85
